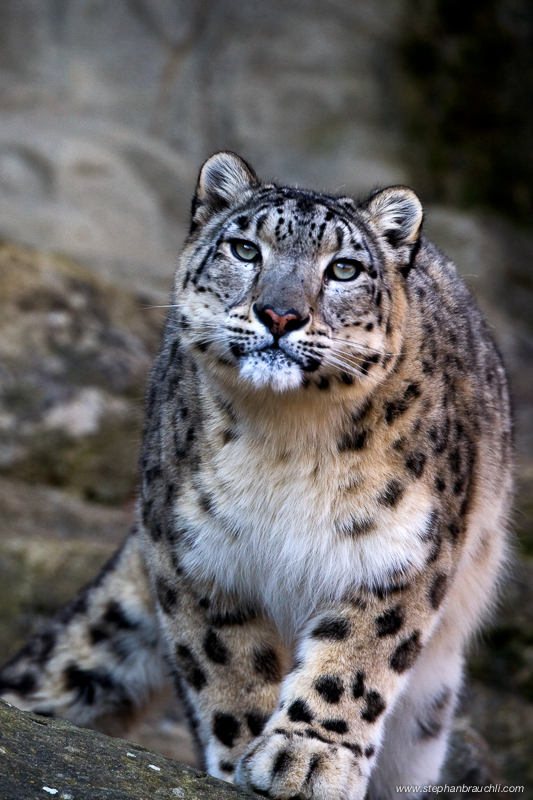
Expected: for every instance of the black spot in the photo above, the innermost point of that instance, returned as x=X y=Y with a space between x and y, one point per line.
x=266 y=663
x=98 y=633
x=374 y=706
x=454 y=459
x=431 y=726
x=299 y=711
x=236 y=617
x=346 y=379
x=406 y=653
x=190 y=668
x=147 y=512
x=368 y=362
x=440 y=484
x=370 y=750
x=226 y=728
x=215 y=649
x=395 y=408
x=22 y=684
x=390 y=621
x=116 y=617
x=354 y=440
x=87 y=682
x=311 y=734
x=170 y=493
x=459 y=485
x=383 y=592
x=153 y=473
x=330 y=687
x=439 y=436
x=323 y=383
x=454 y=529
x=166 y=595
x=391 y=494
x=205 y=503
x=437 y=590
x=355 y=748
x=156 y=531
x=281 y=762
x=229 y=435
x=415 y=463
x=256 y=721
x=112 y=620
x=226 y=766
x=358 y=527
x=335 y=725
x=358 y=686
x=314 y=763
x=43 y=647
x=337 y=628
x=360 y=413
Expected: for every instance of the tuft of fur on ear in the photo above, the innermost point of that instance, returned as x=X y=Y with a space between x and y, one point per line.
x=223 y=180
x=397 y=215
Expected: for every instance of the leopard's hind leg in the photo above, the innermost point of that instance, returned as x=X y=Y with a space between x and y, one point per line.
x=416 y=739
x=99 y=660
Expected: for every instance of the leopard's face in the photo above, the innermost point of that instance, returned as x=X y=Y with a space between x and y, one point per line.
x=288 y=289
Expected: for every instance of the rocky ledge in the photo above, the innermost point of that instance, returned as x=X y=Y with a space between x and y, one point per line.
x=42 y=757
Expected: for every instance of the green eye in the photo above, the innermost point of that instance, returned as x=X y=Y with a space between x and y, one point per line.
x=244 y=251
x=345 y=269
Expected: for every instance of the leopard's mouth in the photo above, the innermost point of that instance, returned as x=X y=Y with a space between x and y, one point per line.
x=282 y=348
x=271 y=366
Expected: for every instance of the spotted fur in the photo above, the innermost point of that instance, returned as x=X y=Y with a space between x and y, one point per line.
x=325 y=481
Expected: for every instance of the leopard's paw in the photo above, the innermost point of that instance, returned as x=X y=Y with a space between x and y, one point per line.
x=289 y=765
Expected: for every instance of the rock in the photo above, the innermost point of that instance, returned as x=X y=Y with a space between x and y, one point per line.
x=74 y=354
x=113 y=198
x=40 y=755
x=40 y=758
x=50 y=545
x=94 y=96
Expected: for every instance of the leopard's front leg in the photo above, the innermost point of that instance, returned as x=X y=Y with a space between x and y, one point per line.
x=353 y=660
x=228 y=662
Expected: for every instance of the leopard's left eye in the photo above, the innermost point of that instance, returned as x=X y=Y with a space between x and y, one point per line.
x=344 y=269
x=245 y=251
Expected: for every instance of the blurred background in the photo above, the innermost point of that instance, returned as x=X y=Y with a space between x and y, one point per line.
x=107 y=110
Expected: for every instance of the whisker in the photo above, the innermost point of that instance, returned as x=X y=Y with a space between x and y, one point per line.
x=363 y=347
x=349 y=368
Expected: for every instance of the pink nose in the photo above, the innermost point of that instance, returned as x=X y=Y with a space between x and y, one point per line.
x=277 y=323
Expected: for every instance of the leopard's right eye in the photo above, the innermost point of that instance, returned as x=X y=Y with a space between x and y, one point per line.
x=245 y=251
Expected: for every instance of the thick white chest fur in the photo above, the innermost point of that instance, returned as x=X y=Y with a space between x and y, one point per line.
x=275 y=532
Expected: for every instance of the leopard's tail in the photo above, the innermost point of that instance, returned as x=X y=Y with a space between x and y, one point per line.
x=99 y=660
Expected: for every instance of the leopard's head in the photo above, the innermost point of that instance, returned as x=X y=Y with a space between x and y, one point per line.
x=286 y=289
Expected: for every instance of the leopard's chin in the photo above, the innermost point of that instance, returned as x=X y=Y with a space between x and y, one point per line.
x=271 y=368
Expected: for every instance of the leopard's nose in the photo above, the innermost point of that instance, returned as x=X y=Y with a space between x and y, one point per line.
x=280 y=323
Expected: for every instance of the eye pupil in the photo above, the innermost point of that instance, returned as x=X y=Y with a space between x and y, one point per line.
x=344 y=270
x=244 y=251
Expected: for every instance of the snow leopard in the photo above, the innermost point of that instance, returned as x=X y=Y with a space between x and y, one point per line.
x=325 y=484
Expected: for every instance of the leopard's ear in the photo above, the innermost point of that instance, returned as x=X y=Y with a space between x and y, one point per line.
x=397 y=214
x=224 y=180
